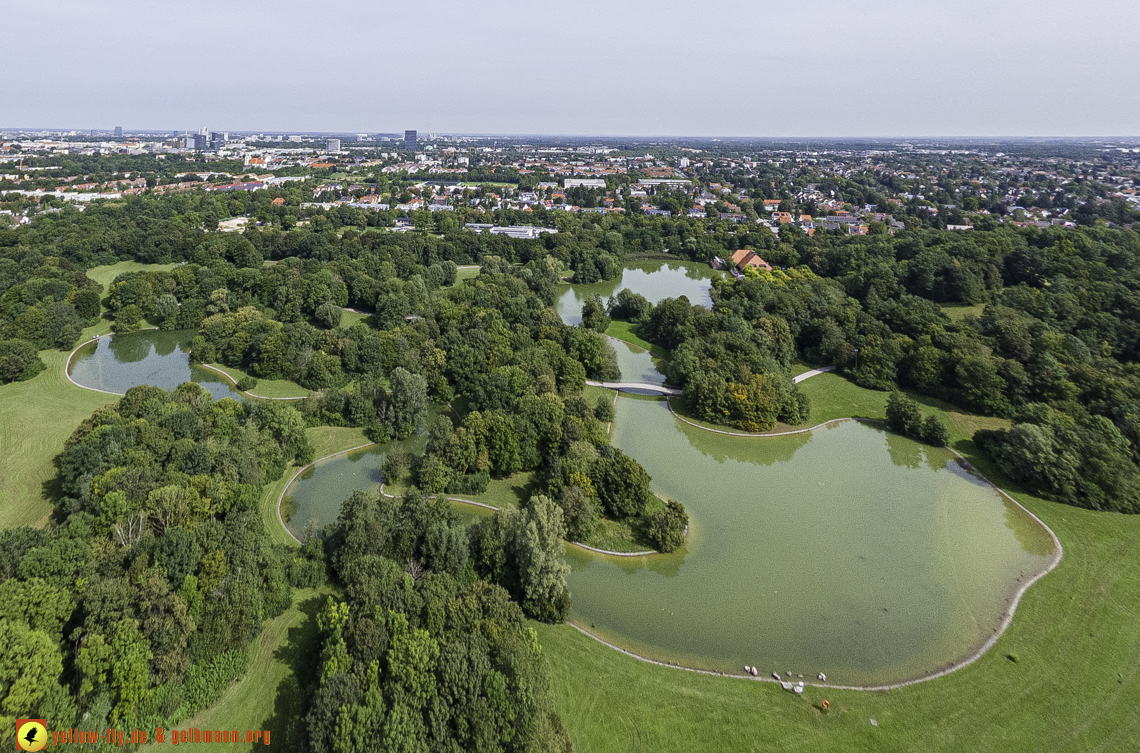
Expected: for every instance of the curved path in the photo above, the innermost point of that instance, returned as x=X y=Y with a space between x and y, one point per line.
x=302 y=469
x=663 y=390
x=579 y=544
x=234 y=381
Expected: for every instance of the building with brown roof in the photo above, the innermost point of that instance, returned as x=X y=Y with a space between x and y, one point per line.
x=745 y=258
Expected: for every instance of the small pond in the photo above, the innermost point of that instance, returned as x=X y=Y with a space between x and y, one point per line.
x=160 y=359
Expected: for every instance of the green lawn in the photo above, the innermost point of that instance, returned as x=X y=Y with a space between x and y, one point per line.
x=833 y=396
x=467 y=272
x=269 y=695
x=266 y=387
x=36 y=417
x=1076 y=636
x=799 y=366
x=626 y=331
x=351 y=318
x=959 y=311
x=106 y=274
x=502 y=493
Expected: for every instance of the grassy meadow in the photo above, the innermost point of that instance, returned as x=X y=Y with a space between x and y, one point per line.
x=36 y=418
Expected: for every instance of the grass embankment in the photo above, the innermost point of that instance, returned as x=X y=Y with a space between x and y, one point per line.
x=833 y=396
x=352 y=318
x=467 y=272
x=269 y=695
x=1074 y=686
x=38 y=415
x=326 y=440
x=627 y=332
x=275 y=388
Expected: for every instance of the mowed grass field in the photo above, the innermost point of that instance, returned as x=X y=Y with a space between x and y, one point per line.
x=959 y=311
x=105 y=275
x=269 y=695
x=626 y=331
x=1074 y=686
x=326 y=440
x=36 y=418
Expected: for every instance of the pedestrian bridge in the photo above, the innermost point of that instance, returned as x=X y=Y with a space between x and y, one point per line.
x=624 y=386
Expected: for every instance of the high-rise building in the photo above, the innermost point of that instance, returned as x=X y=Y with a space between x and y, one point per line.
x=201 y=141
x=410 y=140
x=118 y=132
x=332 y=145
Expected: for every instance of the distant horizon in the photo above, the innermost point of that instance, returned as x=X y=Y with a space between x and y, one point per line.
x=423 y=134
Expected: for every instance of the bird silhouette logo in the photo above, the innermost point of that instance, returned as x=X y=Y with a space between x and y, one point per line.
x=31 y=734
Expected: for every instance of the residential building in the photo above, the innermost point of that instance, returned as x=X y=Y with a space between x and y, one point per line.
x=745 y=258
x=332 y=145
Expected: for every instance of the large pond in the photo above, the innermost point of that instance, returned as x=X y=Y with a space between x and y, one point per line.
x=846 y=550
x=160 y=359
x=656 y=280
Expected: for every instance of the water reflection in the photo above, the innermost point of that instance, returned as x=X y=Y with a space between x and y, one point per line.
x=722 y=448
x=321 y=490
x=656 y=280
x=117 y=363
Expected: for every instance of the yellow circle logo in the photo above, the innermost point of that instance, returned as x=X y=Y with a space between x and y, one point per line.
x=31 y=735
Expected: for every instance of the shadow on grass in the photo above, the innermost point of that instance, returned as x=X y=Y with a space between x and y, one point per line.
x=301 y=652
x=525 y=491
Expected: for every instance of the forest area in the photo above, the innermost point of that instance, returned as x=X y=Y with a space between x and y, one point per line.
x=156 y=556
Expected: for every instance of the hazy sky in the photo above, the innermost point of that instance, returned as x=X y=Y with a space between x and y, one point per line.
x=714 y=68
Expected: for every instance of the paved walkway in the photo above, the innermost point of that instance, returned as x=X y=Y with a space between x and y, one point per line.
x=620 y=386
x=810 y=374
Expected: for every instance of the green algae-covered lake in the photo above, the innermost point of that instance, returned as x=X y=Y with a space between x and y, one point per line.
x=845 y=550
x=160 y=359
